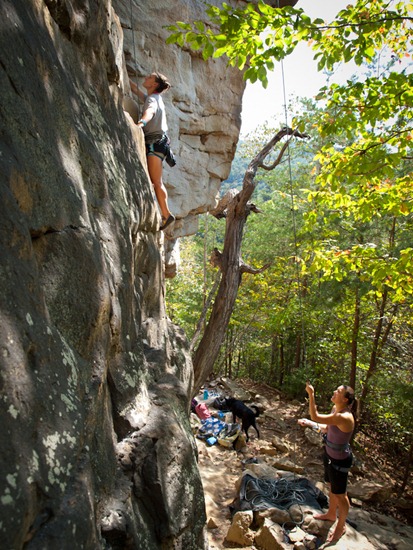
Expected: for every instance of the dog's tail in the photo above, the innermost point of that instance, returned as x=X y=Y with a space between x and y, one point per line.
x=257 y=411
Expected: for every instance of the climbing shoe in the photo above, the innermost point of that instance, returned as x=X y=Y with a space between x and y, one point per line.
x=167 y=222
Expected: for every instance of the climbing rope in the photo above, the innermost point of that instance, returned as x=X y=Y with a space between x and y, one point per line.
x=282 y=493
x=133 y=45
x=263 y=493
x=297 y=496
x=294 y=222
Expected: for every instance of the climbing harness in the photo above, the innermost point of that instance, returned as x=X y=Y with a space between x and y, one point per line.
x=336 y=446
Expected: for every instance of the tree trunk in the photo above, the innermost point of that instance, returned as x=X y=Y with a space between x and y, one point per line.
x=274 y=350
x=236 y=208
x=297 y=360
x=229 y=354
x=238 y=364
x=380 y=338
x=282 y=363
x=373 y=355
x=407 y=470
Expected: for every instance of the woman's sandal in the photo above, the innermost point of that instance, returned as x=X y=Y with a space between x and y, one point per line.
x=167 y=222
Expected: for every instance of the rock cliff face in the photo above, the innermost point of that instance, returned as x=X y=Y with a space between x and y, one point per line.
x=96 y=447
x=203 y=107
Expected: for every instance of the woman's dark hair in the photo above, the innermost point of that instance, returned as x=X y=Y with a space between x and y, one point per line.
x=351 y=399
x=162 y=81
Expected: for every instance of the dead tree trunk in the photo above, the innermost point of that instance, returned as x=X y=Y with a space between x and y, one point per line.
x=235 y=206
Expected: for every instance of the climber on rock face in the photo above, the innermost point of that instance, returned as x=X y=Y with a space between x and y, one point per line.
x=338 y=427
x=154 y=125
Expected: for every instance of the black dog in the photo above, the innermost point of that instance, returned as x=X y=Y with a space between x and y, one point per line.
x=240 y=410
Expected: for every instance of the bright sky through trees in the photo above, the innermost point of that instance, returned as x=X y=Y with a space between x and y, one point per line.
x=300 y=74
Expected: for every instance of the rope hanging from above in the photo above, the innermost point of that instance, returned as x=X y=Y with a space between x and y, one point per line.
x=293 y=211
x=138 y=115
x=133 y=31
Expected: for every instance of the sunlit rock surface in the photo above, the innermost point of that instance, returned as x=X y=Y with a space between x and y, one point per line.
x=96 y=447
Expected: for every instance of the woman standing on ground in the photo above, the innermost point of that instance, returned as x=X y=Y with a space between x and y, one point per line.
x=153 y=123
x=338 y=427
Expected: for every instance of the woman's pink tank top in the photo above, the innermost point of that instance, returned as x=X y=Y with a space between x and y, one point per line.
x=336 y=437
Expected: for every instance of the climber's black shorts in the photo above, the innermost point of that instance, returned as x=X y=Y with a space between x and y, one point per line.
x=159 y=148
x=336 y=473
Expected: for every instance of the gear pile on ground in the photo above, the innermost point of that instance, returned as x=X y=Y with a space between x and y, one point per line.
x=262 y=495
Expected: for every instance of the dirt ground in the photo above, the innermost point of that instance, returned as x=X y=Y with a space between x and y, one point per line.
x=221 y=467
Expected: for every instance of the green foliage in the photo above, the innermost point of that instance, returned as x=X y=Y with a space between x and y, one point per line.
x=388 y=410
x=257 y=36
x=336 y=252
x=338 y=232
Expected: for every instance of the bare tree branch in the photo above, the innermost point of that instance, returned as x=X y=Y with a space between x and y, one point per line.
x=278 y=159
x=219 y=210
x=245 y=268
x=254 y=208
x=235 y=207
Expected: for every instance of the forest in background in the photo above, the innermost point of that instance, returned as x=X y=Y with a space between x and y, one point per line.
x=335 y=305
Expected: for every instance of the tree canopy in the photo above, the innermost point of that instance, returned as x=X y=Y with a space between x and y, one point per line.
x=352 y=192
x=363 y=170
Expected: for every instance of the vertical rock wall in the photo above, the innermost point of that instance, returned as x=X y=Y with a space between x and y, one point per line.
x=203 y=105
x=203 y=108
x=96 y=447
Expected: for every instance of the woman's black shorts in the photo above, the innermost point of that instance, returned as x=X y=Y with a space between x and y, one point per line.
x=336 y=473
x=159 y=148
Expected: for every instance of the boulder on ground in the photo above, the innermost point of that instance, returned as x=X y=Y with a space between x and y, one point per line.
x=383 y=531
x=271 y=537
x=296 y=535
x=212 y=523
x=286 y=464
x=239 y=531
x=369 y=490
x=263 y=470
x=276 y=515
x=240 y=442
x=279 y=423
x=280 y=444
x=262 y=402
x=313 y=437
x=268 y=450
x=234 y=389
